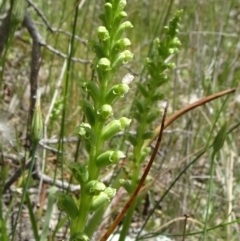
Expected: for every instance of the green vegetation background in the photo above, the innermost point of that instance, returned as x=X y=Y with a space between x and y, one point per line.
x=208 y=62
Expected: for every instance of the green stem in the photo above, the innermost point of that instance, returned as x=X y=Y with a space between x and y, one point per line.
x=3 y=228
x=96 y=219
x=135 y=175
x=35 y=144
x=127 y=221
x=85 y=202
x=210 y=190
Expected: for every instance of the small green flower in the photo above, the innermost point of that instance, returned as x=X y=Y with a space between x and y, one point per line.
x=98 y=201
x=127 y=185
x=176 y=42
x=114 y=127
x=86 y=133
x=122 y=44
x=144 y=153
x=173 y=50
x=80 y=236
x=92 y=88
x=111 y=192
x=104 y=64
x=109 y=157
x=103 y=198
x=94 y=187
x=79 y=171
x=124 y=26
x=105 y=112
x=67 y=204
x=89 y=111
x=122 y=58
x=116 y=92
x=103 y=33
x=170 y=65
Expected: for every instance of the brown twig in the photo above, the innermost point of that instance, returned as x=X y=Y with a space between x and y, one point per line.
x=134 y=195
x=39 y=175
x=40 y=14
x=62 y=55
x=184 y=110
x=185 y=224
x=35 y=59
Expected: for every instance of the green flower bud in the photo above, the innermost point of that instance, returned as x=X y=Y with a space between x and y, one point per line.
x=119 y=61
x=92 y=89
x=119 y=18
x=103 y=33
x=18 y=11
x=173 y=50
x=122 y=58
x=105 y=112
x=111 y=192
x=104 y=64
x=127 y=185
x=109 y=157
x=116 y=92
x=128 y=56
x=57 y=109
x=89 y=111
x=142 y=89
x=170 y=65
x=94 y=187
x=108 y=12
x=122 y=28
x=114 y=127
x=79 y=171
x=163 y=77
x=80 y=236
x=176 y=42
x=67 y=204
x=122 y=5
x=37 y=122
